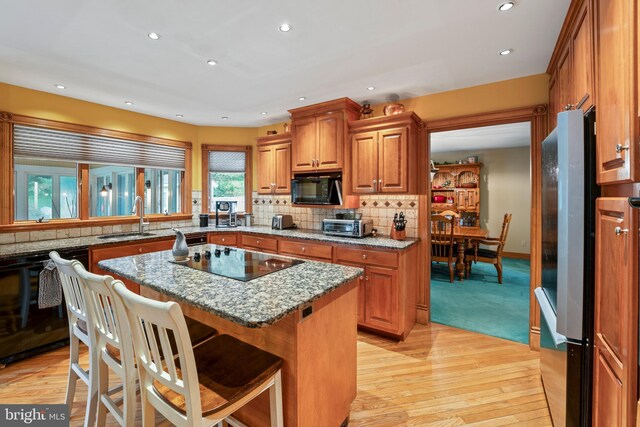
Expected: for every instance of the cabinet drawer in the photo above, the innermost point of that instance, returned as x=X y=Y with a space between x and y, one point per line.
x=266 y=244
x=223 y=239
x=305 y=249
x=366 y=256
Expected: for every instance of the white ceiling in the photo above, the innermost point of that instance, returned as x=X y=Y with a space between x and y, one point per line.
x=100 y=51
x=482 y=138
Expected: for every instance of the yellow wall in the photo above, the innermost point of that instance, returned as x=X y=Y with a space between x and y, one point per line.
x=490 y=97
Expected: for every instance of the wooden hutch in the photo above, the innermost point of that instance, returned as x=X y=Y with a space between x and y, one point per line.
x=459 y=187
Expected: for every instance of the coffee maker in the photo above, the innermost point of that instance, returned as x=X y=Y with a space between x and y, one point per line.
x=226 y=213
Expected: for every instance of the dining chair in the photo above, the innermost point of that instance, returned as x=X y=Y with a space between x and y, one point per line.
x=442 y=241
x=195 y=386
x=79 y=331
x=492 y=256
x=114 y=348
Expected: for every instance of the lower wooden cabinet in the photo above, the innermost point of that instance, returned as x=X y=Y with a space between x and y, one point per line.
x=230 y=239
x=116 y=251
x=306 y=249
x=381 y=299
x=616 y=314
x=259 y=243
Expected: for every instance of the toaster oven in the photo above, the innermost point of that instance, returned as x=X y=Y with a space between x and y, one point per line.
x=347 y=227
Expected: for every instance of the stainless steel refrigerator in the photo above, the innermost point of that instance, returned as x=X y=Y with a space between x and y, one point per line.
x=565 y=296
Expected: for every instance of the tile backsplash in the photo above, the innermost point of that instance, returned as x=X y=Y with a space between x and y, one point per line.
x=380 y=208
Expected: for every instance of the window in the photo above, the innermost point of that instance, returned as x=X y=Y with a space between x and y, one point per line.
x=112 y=190
x=227 y=176
x=162 y=191
x=45 y=189
x=63 y=171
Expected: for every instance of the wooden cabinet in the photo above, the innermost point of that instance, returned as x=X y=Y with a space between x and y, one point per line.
x=615 y=73
x=616 y=313
x=467 y=199
x=226 y=239
x=100 y=253
x=388 y=290
x=318 y=134
x=450 y=183
x=383 y=155
x=274 y=164
x=572 y=65
x=306 y=249
x=259 y=243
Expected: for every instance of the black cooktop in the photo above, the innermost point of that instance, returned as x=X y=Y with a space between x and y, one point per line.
x=238 y=264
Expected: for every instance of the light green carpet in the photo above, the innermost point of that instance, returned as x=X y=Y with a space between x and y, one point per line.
x=482 y=305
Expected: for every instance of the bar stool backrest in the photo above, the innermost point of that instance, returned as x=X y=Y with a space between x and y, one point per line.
x=151 y=323
x=72 y=289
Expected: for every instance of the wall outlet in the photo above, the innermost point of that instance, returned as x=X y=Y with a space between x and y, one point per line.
x=523 y=243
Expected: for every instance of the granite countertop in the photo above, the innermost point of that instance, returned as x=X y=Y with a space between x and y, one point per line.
x=257 y=303
x=44 y=246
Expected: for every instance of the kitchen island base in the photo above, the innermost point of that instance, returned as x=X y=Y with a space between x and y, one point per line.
x=318 y=344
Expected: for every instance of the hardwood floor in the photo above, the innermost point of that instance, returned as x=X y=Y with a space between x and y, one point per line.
x=440 y=376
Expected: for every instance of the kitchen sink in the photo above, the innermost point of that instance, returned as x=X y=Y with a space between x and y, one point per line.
x=116 y=235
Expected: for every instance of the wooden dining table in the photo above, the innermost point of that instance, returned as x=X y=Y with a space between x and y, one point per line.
x=462 y=235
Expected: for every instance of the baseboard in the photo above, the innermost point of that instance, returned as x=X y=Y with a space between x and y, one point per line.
x=516 y=255
x=422 y=315
x=534 y=338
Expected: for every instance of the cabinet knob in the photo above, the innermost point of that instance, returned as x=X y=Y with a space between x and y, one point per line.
x=257 y=242
x=620 y=148
x=223 y=239
x=364 y=256
x=621 y=231
x=304 y=249
x=380 y=182
x=366 y=278
x=140 y=250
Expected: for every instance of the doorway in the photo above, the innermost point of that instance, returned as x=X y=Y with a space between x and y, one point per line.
x=479 y=175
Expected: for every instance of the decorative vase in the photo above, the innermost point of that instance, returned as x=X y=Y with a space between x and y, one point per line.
x=394 y=108
x=180 y=249
x=286 y=127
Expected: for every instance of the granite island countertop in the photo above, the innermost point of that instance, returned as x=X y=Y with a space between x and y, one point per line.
x=45 y=246
x=257 y=303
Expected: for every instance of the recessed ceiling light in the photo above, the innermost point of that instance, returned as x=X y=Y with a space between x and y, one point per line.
x=60 y=86
x=506 y=52
x=179 y=115
x=264 y=113
x=128 y=102
x=506 y=6
x=371 y=88
x=302 y=98
x=153 y=36
x=225 y=118
x=285 y=28
x=212 y=62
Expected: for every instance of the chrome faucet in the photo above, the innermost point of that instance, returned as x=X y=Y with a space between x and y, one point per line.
x=141 y=213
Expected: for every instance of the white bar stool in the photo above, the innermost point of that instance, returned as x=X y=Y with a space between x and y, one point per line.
x=195 y=386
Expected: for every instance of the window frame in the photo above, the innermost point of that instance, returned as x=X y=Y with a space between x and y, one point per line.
x=7 y=215
x=248 y=183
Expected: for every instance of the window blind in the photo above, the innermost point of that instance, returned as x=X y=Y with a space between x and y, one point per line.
x=227 y=161
x=41 y=143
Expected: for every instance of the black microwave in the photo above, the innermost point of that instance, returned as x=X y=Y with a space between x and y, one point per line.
x=317 y=189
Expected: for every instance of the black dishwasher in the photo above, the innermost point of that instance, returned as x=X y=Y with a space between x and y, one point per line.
x=25 y=329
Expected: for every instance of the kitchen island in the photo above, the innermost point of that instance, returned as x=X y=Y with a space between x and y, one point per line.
x=306 y=314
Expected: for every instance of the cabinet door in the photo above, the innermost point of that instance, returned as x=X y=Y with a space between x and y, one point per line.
x=472 y=199
x=330 y=151
x=616 y=314
x=265 y=170
x=564 y=80
x=282 y=168
x=461 y=199
x=393 y=146
x=304 y=144
x=582 y=58
x=382 y=299
x=362 y=292
x=616 y=149
x=364 y=163
x=553 y=101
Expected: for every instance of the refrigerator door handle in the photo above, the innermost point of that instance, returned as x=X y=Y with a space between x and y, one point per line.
x=549 y=316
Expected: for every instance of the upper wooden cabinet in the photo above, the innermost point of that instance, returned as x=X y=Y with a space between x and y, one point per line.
x=615 y=73
x=383 y=155
x=274 y=164
x=318 y=134
x=572 y=66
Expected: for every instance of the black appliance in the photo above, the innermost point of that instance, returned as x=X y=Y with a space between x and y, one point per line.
x=317 y=189
x=569 y=192
x=204 y=220
x=25 y=329
x=237 y=264
x=194 y=239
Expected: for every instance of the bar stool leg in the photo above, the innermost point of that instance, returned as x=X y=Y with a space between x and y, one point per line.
x=275 y=399
x=148 y=413
x=92 y=399
x=74 y=344
x=103 y=388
